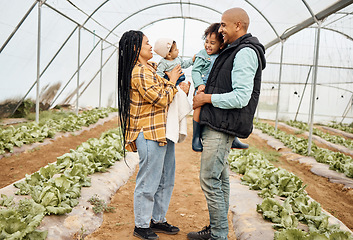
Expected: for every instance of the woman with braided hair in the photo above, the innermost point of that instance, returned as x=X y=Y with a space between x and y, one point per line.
x=143 y=100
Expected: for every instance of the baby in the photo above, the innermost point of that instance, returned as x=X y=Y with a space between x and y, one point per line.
x=176 y=126
x=167 y=49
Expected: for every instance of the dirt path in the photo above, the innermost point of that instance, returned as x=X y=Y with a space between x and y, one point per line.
x=332 y=197
x=187 y=210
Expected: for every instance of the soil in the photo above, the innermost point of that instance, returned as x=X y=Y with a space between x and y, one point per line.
x=188 y=209
x=17 y=166
x=302 y=135
x=333 y=197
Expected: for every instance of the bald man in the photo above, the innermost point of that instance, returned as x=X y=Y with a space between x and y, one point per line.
x=228 y=106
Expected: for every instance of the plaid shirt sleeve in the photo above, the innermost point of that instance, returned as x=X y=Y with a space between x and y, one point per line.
x=153 y=88
x=150 y=97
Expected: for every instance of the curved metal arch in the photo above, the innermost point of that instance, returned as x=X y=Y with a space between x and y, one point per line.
x=194 y=4
x=310 y=11
x=336 y=31
x=158 y=5
x=181 y=3
x=264 y=17
x=90 y=16
x=175 y=17
x=306 y=23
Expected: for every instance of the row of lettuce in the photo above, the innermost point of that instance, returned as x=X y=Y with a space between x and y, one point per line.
x=32 y=132
x=336 y=160
x=295 y=205
x=55 y=189
x=342 y=126
x=348 y=143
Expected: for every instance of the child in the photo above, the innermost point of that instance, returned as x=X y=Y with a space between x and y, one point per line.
x=176 y=126
x=167 y=49
x=203 y=64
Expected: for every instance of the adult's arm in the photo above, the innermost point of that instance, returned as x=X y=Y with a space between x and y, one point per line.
x=245 y=65
x=153 y=88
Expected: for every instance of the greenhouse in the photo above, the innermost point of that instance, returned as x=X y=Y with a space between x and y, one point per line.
x=59 y=64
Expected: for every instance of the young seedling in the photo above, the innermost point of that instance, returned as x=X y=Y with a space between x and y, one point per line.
x=99 y=205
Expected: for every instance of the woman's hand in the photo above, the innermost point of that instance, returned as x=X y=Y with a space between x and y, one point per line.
x=174 y=74
x=185 y=87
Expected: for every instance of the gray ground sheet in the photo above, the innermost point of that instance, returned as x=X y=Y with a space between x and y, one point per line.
x=323 y=141
x=346 y=134
x=82 y=217
x=317 y=168
x=247 y=222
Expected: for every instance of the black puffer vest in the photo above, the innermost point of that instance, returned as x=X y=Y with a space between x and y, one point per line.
x=237 y=121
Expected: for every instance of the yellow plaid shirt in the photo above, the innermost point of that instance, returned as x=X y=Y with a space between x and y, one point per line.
x=150 y=97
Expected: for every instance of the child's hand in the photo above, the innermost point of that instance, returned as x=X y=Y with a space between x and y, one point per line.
x=185 y=87
x=174 y=74
x=193 y=58
x=201 y=88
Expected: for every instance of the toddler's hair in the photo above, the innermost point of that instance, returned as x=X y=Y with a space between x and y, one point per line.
x=213 y=28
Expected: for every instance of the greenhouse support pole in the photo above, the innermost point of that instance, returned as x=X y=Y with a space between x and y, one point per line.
x=73 y=75
x=38 y=59
x=316 y=60
x=96 y=74
x=279 y=83
x=100 y=77
x=43 y=71
x=78 y=68
x=18 y=26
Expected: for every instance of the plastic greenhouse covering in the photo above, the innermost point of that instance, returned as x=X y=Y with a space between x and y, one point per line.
x=65 y=51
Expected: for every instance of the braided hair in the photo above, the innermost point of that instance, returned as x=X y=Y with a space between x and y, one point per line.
x=129 y=51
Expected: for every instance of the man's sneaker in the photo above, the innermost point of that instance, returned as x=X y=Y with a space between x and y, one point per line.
x=204 y=234
x=145 y=233
x=164 y=228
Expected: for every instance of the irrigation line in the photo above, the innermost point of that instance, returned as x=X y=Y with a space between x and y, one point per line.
x=349 y=105
x=308 y=65
x=301 y=98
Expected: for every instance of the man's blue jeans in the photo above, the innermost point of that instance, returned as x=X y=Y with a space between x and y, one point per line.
x=214 y=179
x=154 y=181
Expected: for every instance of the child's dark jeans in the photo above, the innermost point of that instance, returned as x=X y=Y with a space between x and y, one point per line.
x=180 y=79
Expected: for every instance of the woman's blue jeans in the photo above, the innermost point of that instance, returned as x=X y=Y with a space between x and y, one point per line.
x=154 y=181
x=214 y=179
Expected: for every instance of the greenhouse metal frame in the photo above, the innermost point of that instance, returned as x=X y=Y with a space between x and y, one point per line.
x=62 y=29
